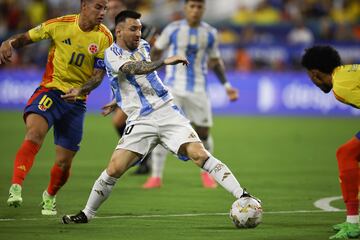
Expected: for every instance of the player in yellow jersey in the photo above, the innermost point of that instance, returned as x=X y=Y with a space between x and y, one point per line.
x=324 y=67
x=75 y=61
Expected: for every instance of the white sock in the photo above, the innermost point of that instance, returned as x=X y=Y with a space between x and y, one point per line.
x=352 y=218
x=158 y=157
x=99 y=193
x=222 y=174
x=209 y=146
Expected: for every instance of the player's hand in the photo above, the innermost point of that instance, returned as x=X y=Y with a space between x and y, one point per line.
x=176 y=60
x=5 y=52
x=109 y=108
x=71 y=95
x=232 y=93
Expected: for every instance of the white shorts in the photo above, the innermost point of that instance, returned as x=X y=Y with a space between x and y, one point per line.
x=197 y=108
x=165 y=126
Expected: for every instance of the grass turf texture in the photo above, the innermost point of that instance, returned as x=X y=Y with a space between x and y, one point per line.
x=287 y=162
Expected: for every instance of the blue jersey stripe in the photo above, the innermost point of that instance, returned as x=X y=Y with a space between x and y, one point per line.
x=191 y=52
x=115 y=88
x=146 y=107
x=156 y=85
x=173 y=40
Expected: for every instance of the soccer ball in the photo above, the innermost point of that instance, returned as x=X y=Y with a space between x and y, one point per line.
x=246 y=212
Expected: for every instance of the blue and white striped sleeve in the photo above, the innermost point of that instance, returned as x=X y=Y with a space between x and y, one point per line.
x=114 y=59
x=213 y=44
x=163 y=41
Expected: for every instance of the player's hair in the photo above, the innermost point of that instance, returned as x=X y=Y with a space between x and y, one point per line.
x=323 y=58
x=123 y=15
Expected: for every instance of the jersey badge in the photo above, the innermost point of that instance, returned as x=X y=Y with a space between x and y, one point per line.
x=93 y=48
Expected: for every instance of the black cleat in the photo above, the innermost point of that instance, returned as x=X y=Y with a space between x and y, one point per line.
x=78 y=218
x=246 y=194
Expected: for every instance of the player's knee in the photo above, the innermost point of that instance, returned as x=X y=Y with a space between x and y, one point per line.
x=198 y=154
x=35 y=135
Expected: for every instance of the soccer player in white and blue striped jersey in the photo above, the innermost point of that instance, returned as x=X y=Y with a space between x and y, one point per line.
x=198 y=41
x=153 y=118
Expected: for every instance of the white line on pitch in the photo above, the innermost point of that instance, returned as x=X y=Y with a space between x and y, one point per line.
x=167 y=215
x=324 y=204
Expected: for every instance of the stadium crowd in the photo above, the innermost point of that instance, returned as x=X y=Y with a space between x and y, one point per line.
x=257 y=34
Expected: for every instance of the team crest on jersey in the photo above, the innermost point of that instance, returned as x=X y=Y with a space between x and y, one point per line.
x=93 y=48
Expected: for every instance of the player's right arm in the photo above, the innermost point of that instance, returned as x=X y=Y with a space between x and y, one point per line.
x=14 y=42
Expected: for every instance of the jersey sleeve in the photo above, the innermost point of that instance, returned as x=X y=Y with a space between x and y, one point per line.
x=114 y=59
x=106 y=42
x=346 y=84
x=43 y=31
x=213 y=41
x=163 y=41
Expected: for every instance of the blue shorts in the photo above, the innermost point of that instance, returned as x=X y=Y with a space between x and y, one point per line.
x=358 y=135
x=67 y=118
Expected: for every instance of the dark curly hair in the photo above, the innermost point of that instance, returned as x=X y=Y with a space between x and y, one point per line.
x=322 y=58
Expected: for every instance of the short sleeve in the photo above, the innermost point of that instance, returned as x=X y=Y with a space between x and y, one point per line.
x=107 y=40
x=43 y=31
x=163 y=41
x=213 y=44
x=114 y=59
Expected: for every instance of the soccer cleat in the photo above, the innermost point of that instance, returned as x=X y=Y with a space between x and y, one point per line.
x=15 y=199
x=152 y=182
x=339 y=226
x=247 y=194
x=347 y=230
x=78 y=218
x=48 y=204
x=207 y=180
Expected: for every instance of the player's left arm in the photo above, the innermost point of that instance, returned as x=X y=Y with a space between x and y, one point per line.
x=94 y=81
x=219 y=69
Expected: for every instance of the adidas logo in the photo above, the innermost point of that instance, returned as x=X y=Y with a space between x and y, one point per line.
x=22 y=167
x=67 y=41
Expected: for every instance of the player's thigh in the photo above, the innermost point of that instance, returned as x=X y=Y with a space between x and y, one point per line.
x=122 y=160
x=68 y=130
x=40 y=112
x=197 y=109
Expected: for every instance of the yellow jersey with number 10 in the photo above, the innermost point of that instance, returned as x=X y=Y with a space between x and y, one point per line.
x=346 y=84
x=73 y=53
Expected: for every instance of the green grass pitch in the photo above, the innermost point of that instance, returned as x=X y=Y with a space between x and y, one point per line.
x=287 y=162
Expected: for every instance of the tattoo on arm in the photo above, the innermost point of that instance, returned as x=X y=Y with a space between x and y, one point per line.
x=20 y=40
x=219 y=71
x=94 y=81
x=141 y=67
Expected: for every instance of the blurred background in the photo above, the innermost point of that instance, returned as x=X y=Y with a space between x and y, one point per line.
x=261 y=43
